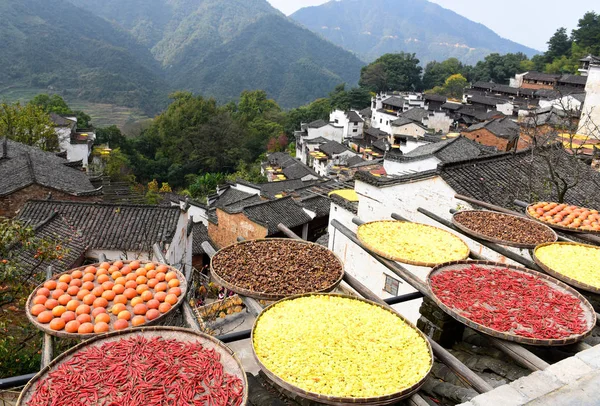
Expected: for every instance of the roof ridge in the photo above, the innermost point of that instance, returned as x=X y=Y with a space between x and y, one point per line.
x=267 y=201
x=30 y=165
x=484 y=158
x=145 y=206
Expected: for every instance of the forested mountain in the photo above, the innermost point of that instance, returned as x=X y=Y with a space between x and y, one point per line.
x=128 y=51
x=50 y=43
x=372 y=28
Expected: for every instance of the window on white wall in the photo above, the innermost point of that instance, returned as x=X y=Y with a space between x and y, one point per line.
x=391 y=285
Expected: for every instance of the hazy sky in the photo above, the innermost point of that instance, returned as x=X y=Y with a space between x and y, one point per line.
x=529 y=22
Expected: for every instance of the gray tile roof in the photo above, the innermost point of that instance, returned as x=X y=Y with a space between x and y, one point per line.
x=317 y=204
x=500 y=179
x=298 y=171
x=231 y=196
x=417 y=114
x=450 y=150
x=394 y=101
x=317 y=124
x=381 y=144
x=435 y=97
x=367 y=112
x=355 y=160
x=354 y=117
x=25 y=166
x=269 y=214
x=61 y=121
x=333 y=147
x=200 y=236
x=110 y=226
x=281 y=159
x=318 y=140
x=55 y=229
x=451 y=106
x=487 y=101
x=273 y=188
x=538 y=76
x=376 y=132
x=501 y=127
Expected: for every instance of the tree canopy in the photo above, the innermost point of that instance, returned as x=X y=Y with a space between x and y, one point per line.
x=28 y=124
x=399 y=71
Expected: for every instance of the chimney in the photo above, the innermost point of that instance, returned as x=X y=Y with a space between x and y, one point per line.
x=5 y=147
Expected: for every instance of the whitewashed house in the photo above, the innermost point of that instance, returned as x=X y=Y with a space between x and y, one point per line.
x=77 y=143
x=316 y=133
x=351 y=120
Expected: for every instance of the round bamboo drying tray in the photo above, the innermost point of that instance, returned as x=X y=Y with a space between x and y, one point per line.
x=263 y=295
x=559 y=227
x=562 y=277
x=230 y=361
x=481 y=236
x=387 y=255
x=589 y=312
x=63 y=334
x=333 y=400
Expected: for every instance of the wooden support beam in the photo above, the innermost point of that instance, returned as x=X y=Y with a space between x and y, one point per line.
x=469 y=377
x=531 y=359
x=48 y=344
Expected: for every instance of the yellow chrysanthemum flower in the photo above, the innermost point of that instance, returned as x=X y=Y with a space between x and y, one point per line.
x=577 y=262
x=336 y=346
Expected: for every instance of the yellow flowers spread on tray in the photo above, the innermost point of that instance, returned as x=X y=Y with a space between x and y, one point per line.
x=578 y=262
x=336 y=346
x=412 y=242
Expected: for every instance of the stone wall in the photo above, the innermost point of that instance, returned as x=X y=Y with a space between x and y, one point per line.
x=9 y=205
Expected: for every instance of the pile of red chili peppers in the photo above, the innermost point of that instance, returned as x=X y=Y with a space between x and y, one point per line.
x=139 y=371
x=510 y=301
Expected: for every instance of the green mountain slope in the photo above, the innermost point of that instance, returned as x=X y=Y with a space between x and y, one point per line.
x=221 y=47
x=51 y=44
x=292 y=64
x=372 y=28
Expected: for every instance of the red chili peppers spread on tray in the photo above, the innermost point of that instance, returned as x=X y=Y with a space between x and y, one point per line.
x=139 y=371
x=510 y=301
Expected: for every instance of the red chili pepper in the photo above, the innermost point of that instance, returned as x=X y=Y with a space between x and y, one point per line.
x=138 y=371
x=507 y=300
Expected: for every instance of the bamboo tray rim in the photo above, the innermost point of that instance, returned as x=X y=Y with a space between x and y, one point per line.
x=271 y=296
x=566 y=279
x=559 y=227
x=62 y=334
x=98 y=339
x=485 y=237
x=334 y=400
x=403 y=260
x=586 y=306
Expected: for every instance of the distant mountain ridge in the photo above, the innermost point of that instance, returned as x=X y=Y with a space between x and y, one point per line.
x=371 y=28
x=130 y=51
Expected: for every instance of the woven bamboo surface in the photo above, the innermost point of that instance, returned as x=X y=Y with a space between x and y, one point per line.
x=333 y=400
x=371 y=245
x=220 y=280
x=589 y=312
x=63 y=334
x=558 y=226
x=568 y=280
x=485 y=237
x=230 y=361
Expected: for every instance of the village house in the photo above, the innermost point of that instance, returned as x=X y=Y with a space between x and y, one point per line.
x=590 y=111
x=497 y=179
x=329 y=155
x=351 y=121
x=121 y=231
x=502 y=134
x=29 y=173
x=428 y=157
x=76 y=142
x=434 y=102
x=386 y=109
x=316 y=130
x=280 y=166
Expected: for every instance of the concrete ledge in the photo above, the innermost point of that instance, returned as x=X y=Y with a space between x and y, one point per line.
x=503 y=395
x=537 y=384
x=569 y=370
